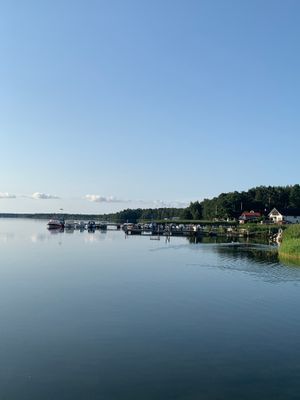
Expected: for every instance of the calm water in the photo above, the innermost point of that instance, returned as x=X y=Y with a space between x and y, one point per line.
x=97 y=316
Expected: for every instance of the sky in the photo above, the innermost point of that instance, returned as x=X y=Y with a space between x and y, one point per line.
x=119 y=104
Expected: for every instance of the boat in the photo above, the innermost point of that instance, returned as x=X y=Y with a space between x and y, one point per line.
x=91 y=225
x=55 y=224
x=103 y=226
x=80 y=225
x=69 y=224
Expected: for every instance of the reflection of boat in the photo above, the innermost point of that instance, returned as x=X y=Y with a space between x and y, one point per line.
x=55 y=224
x=56 y=230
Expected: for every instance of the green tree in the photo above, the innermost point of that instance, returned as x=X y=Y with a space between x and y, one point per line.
x=294 y=199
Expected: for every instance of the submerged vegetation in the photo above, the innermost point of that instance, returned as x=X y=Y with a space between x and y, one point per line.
x=290 y=246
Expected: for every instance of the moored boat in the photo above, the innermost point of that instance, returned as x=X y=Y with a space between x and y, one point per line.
x=80 y=225
x=55 y=224
x=70 y=224
x=91 y=225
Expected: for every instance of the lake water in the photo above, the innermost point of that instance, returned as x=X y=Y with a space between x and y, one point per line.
x=98 y=316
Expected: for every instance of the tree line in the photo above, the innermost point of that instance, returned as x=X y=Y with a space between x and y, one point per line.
x=226 y=205
x=230 y=205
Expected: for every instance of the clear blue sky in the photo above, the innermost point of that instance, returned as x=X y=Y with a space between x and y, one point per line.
x=146 y=100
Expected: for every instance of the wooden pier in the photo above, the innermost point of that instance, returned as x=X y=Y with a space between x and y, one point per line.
x=162 y=232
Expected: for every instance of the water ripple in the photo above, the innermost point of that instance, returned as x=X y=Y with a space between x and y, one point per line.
x=259 y=260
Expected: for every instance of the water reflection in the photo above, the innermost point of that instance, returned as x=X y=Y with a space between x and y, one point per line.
x=54 y=231
x=6 y=236
x=69 y=230
x=102 y=317
x=38 y=237
x=289 y=262
x=259 y=260
x=225 y=239
x=250 y=251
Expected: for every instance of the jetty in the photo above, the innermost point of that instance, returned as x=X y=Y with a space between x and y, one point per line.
x=84 y=225
x=187 y=230
x=171 y=229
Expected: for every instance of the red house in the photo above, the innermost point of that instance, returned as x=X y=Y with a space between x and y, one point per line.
x=249 y=216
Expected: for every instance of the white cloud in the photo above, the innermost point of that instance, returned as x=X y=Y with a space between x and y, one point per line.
x=7 y=196
x=96 y=198
x=43 y=196
x=162 y=203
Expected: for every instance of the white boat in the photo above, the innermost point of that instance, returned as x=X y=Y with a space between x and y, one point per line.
x=70 y=224
x=55 y=224
x=80 y=225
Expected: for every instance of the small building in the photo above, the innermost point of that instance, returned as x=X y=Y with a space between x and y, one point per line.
x=249 y=216
x=285 y=216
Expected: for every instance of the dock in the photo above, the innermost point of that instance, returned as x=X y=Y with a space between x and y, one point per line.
x=166 y=230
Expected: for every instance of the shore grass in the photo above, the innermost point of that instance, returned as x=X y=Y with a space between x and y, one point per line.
x=290 y=246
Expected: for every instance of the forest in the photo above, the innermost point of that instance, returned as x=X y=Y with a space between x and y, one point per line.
x=225 y=206
x=232 y=204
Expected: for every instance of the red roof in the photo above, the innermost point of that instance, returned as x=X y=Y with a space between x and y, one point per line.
x=251 y=214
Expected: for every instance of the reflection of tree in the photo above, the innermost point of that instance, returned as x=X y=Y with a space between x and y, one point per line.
x=224 y=239
x=254 y=259
x=260 y=261
x=250 y=252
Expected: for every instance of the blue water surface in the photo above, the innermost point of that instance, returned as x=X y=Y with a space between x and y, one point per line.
x=87 y=316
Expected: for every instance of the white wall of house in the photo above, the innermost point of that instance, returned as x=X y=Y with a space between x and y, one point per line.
x=276 y=218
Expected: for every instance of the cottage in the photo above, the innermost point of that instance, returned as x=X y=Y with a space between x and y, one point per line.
x=249 y=216
x=285 y=216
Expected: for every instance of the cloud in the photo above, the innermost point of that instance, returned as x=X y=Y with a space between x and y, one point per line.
x=7 y=196
x=96 y=198
x=162 y=203
x=43 y=196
